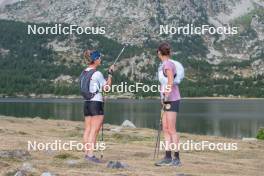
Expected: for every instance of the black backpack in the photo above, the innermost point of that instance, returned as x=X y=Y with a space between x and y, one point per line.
x=85 y=79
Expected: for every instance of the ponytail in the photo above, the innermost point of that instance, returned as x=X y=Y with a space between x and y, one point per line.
x=87 y=56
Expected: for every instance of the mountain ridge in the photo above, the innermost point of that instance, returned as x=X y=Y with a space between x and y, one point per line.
x=210 y=57
x=137 y=22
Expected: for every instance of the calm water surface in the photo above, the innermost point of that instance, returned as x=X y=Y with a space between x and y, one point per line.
x=229 y=118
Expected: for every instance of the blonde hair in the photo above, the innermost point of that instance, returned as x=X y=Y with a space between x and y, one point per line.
x=87 y=56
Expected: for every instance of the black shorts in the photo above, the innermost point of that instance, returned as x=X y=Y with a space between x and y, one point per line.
x=93 y=108
x=172 y=106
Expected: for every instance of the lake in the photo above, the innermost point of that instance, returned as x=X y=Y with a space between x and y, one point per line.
x=234 y=118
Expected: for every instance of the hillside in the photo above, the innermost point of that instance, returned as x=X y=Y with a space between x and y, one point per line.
x=216 y=65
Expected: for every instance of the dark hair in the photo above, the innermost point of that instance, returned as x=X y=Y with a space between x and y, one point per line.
x=164 y=49
x=87 y=56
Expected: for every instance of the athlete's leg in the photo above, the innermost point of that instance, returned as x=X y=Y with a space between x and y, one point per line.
x=96 y=122
x=167 y=159
x=167 y=136
x=171 y=118
x=87 y=129
x=165 y=129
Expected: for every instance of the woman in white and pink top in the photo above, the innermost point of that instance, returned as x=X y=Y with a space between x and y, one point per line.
x=170 y=99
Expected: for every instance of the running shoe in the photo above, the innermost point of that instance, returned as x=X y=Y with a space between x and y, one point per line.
x=176 y=162
x=92 y=159
x=164 y=162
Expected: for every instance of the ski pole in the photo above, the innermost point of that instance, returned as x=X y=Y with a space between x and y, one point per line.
x=157 y=146
x=119 y=54
x=102 y=139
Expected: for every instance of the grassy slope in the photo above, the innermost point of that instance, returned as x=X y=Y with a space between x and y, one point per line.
x=132 y=146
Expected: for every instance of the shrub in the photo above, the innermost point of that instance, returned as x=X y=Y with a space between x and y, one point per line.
x=260 y=134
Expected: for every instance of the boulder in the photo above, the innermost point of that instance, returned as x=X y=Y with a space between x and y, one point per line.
x=116 y=165
x=249 y=139
x=15 y=154
x=47 y=174
x=20 y=173
x=27 y=167
x=128 y=124
x=72 y=162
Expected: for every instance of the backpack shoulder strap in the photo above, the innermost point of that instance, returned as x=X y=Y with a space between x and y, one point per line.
x=89 y=77
x=164 y=74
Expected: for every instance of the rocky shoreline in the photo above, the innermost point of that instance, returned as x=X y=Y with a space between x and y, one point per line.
x=124 y=144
